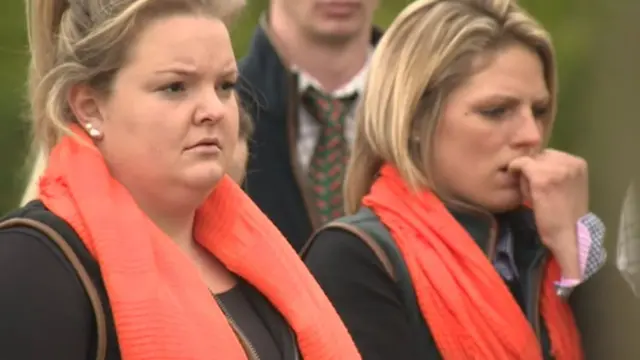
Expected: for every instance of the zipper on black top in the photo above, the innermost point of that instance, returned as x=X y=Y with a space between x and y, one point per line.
x=244 y=340
x=294 y=344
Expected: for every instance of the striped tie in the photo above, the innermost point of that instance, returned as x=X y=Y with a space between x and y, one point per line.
x=326 y=169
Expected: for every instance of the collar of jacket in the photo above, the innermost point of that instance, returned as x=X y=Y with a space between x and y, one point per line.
x=483 y=228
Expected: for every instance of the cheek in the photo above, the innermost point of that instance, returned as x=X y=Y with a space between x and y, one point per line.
x=145 y=129
x=231 y=122
x=372 y=5
x=239 y=161
x=299 y=8
x=240 y=153
x=464 y=158
x=450 y=161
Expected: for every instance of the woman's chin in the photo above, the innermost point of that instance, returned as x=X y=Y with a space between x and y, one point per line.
x=204 y=179
x=503 y=201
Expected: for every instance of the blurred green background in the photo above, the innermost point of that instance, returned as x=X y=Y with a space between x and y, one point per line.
x=567 y=22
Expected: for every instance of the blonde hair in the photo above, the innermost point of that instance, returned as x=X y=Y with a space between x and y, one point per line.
x=87 y=41
x=426 y=53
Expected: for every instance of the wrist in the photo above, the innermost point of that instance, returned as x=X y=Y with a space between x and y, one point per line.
x=565 y=250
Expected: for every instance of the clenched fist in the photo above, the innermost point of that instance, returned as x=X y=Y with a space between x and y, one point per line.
x=556 y=186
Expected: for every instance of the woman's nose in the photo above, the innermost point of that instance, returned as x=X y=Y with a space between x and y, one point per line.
x=529 y=131
x=210 y=108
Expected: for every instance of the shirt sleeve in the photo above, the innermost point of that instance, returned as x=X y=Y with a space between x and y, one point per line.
x=44 y=310
x=591 y=232
x=364 y=295
x=591 y=252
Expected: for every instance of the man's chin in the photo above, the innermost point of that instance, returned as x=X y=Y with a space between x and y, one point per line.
x=337 y=33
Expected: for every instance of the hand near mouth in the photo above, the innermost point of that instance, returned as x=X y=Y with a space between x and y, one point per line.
x=556 y=186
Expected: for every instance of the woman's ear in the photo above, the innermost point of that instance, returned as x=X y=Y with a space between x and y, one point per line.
x=86 y=106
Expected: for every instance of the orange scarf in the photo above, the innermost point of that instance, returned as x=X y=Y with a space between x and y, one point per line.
x=161 y=306
x=467 y=306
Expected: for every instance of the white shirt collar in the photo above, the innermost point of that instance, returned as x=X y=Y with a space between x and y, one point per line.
x=355 y=85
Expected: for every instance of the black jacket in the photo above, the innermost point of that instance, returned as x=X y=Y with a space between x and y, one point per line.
x=375 y=307
x=274 y=181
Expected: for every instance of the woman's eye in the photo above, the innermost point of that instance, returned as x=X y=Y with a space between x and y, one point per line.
x=226 y=89
x=174 y=87
x=494 y=113
x=540 y=112
x=228 y=85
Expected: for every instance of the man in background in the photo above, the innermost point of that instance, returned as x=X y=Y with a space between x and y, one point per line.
x=301 y=79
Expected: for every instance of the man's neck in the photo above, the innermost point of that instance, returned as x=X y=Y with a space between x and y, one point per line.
x=331 y=65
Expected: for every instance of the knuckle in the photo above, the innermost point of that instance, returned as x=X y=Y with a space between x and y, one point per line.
x=539 y=183
x=582 y=164
x=578 y=166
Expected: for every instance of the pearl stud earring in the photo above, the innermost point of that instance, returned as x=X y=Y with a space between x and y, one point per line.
x=93 y=132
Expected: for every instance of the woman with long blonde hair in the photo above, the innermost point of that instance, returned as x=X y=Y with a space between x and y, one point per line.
x=466 y=232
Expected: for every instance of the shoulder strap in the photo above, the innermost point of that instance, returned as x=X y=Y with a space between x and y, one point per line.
x=84 y=277
x=349 y=226
x=368 y=228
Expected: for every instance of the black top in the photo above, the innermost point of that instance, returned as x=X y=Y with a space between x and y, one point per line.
x=45 y=312
x=366 y=298
x=239 y=310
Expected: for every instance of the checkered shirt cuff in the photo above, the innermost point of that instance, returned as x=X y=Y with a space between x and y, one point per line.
x=591 y=252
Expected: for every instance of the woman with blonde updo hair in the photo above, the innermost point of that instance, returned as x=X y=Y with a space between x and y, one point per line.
x=138 y=244
x=465 y=232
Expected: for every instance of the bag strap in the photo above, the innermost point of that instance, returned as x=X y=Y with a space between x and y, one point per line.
x=367 y=227
x=85 y=279
x=362 y=235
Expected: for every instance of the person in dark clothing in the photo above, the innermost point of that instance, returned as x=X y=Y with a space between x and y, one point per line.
x=304 y=53
x=465 y=233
